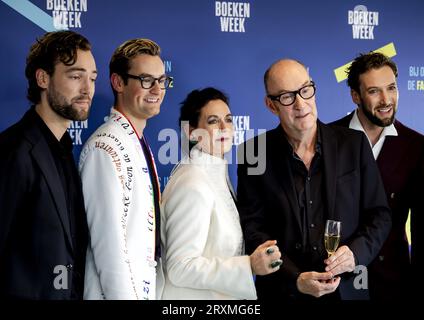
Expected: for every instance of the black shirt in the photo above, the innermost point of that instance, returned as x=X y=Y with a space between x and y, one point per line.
x=309 y=186
x=61 y=152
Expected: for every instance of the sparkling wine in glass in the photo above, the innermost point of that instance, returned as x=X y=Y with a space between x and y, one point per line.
x=332 y=236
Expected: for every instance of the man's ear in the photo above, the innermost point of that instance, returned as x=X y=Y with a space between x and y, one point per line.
x=117 y=82
x=270 y=105
x=356 y=97
x=42 y=78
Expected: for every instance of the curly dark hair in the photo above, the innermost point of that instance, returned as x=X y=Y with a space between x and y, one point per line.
x=47 y=51
x=365 y=62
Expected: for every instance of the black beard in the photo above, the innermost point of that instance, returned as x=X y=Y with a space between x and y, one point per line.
x=59 y=105
x=375 y=120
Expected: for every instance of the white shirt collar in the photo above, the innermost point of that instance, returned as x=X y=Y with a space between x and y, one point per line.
x=387 y=131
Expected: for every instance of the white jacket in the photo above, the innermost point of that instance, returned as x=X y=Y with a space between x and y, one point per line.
x=120 y=213
x=201 y=237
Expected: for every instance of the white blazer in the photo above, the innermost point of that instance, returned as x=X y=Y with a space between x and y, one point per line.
x=119 y=203
x=201 y=237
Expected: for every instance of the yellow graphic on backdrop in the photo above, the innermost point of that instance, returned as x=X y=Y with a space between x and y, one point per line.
x=389 y=50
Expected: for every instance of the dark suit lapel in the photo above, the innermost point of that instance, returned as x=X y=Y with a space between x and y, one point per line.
x=330 y=159
x=282 y=153
x=344 y=122
x=392 y=153
x=44 y=159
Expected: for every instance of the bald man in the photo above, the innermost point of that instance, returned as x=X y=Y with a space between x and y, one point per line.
x=313 y=173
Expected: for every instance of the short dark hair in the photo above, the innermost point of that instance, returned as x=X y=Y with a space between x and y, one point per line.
x=47 y=51
x=193 y=104
x=195 y=101
x=365 y=62
x=120 y=61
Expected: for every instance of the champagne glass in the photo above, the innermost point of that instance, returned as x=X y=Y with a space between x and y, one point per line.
x=332 y=236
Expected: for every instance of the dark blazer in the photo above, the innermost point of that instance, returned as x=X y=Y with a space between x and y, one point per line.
x=400 y=162
x=35 y=234
x=353 y=193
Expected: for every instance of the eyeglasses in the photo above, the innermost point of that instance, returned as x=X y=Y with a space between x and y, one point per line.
x=288 y=98
x=148 y=82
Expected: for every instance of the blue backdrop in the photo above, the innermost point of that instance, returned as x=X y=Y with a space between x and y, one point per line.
x=224 y=44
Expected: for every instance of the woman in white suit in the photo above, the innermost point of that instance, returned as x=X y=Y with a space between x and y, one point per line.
x=202 y=241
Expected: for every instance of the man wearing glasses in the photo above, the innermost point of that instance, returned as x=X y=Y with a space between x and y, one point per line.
x=120 y=182
x=313 y=173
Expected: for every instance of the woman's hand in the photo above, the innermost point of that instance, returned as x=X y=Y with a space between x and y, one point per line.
x=266 y=258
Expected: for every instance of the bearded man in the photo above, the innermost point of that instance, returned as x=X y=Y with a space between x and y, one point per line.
x=399 y=152
x=43 y=227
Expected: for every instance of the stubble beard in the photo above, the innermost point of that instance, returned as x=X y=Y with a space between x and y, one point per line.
x=63 y=108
